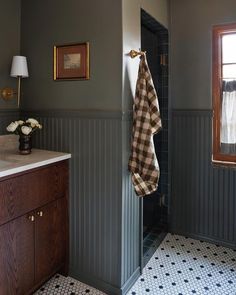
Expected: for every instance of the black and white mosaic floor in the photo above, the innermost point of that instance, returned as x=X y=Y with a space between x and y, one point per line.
x=60 y=285
x=183 y=266
x=180 y=266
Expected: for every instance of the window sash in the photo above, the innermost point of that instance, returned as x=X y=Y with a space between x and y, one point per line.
x=217 y=83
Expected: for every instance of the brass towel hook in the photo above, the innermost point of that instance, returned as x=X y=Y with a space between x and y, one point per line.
x=133 y=53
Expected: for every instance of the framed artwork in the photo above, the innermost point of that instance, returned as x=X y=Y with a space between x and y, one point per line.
x=71 y=62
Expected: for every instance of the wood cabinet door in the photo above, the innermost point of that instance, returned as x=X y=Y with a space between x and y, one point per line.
x=50 y=239
x=17 y=256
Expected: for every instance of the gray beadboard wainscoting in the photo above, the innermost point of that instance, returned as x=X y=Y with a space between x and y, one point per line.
x=203 y=196
x=104 y=212
x=131 y=227
x=6 y=117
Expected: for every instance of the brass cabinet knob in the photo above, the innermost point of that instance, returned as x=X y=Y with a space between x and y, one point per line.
x=40 y=213
x=31 y=218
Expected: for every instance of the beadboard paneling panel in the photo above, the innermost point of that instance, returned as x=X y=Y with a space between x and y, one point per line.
x=203 y=200
x=6 y=117
x=130 y=217
x=104 y=215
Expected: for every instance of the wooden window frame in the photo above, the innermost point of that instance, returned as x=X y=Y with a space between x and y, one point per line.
x=218 y=32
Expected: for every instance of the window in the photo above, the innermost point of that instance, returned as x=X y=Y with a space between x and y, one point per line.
x=224 y=93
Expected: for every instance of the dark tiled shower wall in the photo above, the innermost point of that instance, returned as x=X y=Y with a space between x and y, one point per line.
x=161 y=140
x=155 y=43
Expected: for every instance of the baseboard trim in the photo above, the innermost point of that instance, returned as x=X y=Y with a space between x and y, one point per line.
x=103 y=286
x=128 y=284
x=204 y=238
x=95 y=283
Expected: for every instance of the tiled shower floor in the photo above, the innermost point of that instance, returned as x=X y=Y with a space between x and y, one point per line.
x=152 y=238
x=180 y=266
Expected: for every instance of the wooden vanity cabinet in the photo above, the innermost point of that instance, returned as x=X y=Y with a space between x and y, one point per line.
x=16 y=256
x=50 y=239
x=33 y=228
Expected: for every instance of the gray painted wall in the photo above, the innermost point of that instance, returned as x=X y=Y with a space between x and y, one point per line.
x=48 y=23
x=10 y=18
x=98 y=226
x=190 y=49
x=203 y=196
x=100 y=23
x=159 y=9
x=104 y=210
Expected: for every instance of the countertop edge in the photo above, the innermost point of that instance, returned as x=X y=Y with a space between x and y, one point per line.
x=26 y=167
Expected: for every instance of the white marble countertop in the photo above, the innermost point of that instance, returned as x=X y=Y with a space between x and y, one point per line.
x=12 y=162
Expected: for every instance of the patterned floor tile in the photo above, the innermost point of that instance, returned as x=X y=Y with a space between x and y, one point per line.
x=180 y=266
x=184 y=266
x=60 y=285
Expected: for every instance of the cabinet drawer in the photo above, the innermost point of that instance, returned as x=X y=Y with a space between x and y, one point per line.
x=28 y=191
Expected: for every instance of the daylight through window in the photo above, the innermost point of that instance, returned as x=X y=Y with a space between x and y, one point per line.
x=224 y=93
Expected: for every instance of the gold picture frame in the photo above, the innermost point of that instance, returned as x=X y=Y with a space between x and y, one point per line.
x=71 y=62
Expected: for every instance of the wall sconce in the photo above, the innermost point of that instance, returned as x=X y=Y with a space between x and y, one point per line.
x=19 y=70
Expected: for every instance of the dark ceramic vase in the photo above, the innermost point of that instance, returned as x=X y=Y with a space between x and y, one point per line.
x=25 y=145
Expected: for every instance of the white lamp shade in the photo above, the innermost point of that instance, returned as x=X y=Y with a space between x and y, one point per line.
x=19 y=67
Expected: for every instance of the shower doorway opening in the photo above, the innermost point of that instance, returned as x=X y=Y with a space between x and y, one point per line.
x=154 y=207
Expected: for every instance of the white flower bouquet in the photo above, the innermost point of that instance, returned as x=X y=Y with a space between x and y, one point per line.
x=24 y=127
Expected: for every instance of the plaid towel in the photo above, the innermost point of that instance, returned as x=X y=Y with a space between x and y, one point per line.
x=146 y=121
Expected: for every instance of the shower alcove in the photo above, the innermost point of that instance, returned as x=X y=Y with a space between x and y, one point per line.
x=154 y=207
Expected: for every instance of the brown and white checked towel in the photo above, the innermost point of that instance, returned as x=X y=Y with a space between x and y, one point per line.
x=146 y=121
